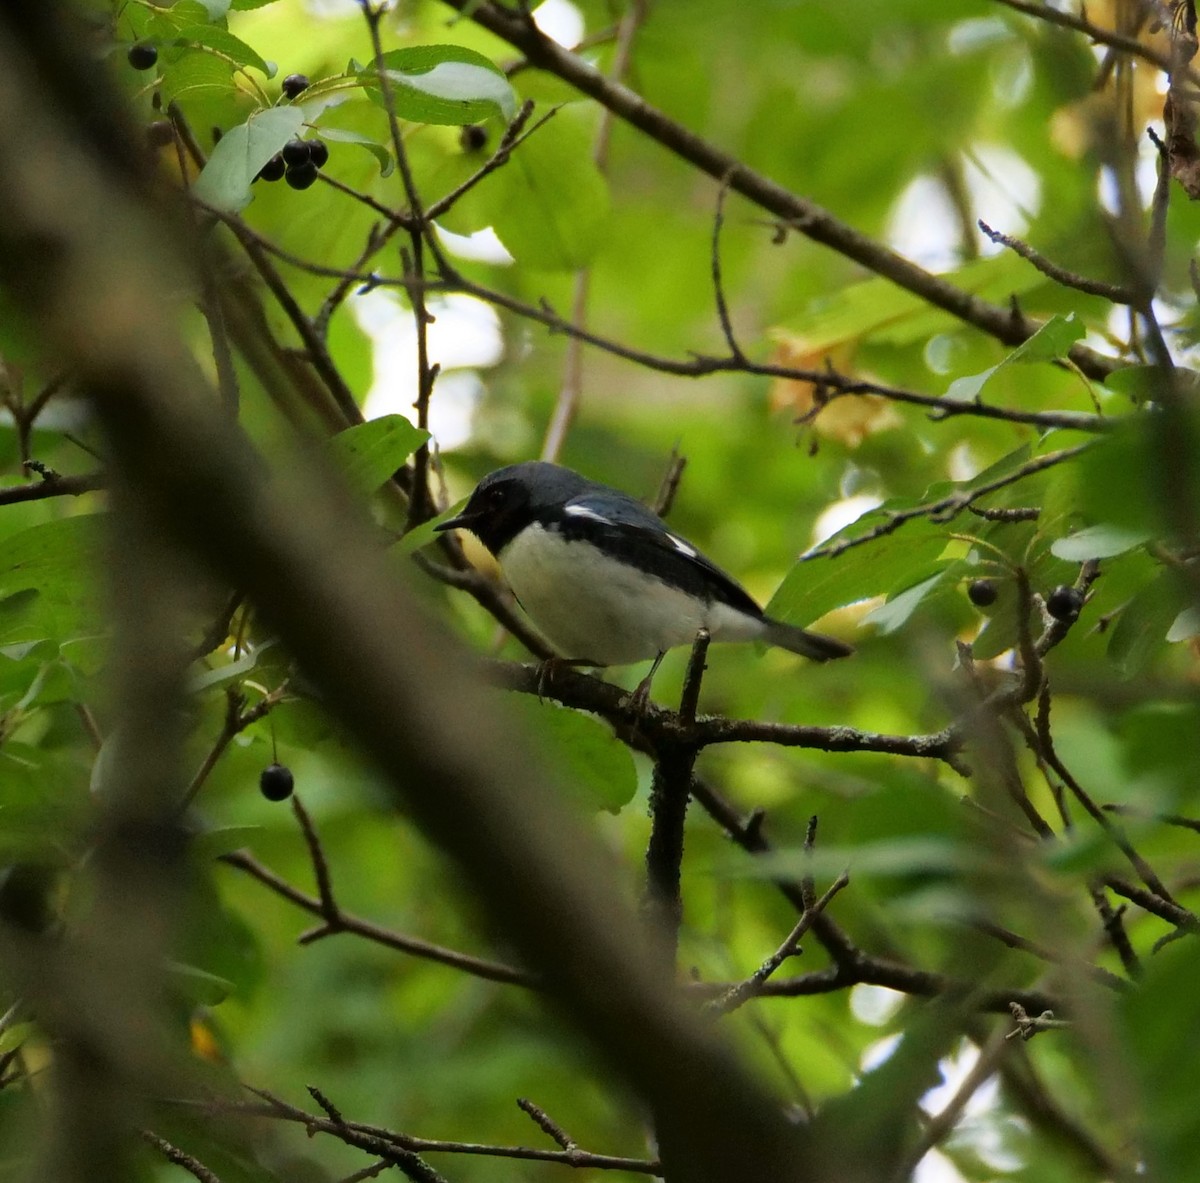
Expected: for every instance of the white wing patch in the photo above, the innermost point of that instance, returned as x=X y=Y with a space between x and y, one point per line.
x=582 y=511
x=682 y=547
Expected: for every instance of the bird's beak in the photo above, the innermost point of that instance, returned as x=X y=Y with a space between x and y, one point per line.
x=459 y=521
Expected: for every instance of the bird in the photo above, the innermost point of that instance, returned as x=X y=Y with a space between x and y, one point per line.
x=604 y=578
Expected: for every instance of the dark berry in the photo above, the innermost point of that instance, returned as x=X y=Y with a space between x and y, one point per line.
x=294 y=85
x=160 y=133
x=1065 y=603
x=318 y=152
x=301 y=176
x=982 y=592
x=296 y=152
x=142 y=56
x=473 y=138
x=272 y=170
x=276 y=782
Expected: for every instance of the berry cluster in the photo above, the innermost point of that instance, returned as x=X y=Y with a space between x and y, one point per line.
x=297 y=163
x=1064 y=603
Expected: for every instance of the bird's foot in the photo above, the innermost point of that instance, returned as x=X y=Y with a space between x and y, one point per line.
x=639 y=700
x=549 y=668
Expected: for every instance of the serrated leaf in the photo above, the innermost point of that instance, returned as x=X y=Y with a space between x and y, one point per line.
x=1098 y=542
x=592 y=763
x=444 y=84
x=225 y=180
x=381 y=154
x=370 y=452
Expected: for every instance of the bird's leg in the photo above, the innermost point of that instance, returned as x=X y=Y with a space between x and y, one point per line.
x=640 y=698
x=548 y=668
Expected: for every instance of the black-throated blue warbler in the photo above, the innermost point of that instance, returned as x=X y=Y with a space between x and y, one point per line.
x=604 y=578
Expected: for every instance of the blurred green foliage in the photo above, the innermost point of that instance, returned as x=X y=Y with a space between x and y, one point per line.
x=888 y=114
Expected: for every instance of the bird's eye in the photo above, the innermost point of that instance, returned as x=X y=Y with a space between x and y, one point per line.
x=495 y=497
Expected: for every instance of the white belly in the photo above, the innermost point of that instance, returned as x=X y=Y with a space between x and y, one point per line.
x=597 y=609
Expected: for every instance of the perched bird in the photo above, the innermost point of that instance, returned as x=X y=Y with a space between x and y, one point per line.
x=604 y=578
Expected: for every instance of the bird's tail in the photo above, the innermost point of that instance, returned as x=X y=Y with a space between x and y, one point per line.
x=814 y=646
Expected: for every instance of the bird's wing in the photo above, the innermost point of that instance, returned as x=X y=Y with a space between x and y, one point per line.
x=629 y=530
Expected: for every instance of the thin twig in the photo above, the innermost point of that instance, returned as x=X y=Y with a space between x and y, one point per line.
x=180 y=1158
x=945 y=509
x=1027 y=1025
x=546 y=1124
x=810 y=219
x=493 y=971
x=1080 y=283
x=735 y=350
x=752 y=987
x=378 y=1139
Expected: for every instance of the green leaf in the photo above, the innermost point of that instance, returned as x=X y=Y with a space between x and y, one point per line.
x=198 y=986
x=1053 y=340
x=1186 y=625
x=1098 y=542
x=381 y=154
x=223 y=675
x=222 y=840
x=1154 y=1019
x=196 y=75
x=56 y=560
x=1143 y=384
x=895 y=613
x=369 y=453
x=446 y=84
x=423 y=534
x=550 y=205
x=373 y=146
x=223 y=44
x=1144 y=623
x=167 y=22
x=816 y=586
x=909 y=855
x=1116 y=479
x=879 y=310
x=243 y=150
x=591 y=761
